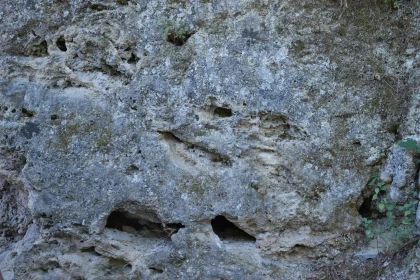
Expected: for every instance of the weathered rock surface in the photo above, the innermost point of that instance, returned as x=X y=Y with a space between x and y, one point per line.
x=119 y=149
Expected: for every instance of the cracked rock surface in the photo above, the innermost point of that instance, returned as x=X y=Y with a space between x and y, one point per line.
x=175 y=139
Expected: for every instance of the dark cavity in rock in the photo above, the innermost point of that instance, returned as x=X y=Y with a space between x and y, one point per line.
x=124 y=221
x=178 y=40
x=226 y=230
x=133 y=59
x=365 y=210
x=223 y=112
x=27 y=113
x=61 y=44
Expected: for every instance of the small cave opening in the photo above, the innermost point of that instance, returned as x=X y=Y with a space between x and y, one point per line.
x=118 y=219
x=132 y=169
x=226 y=230
x=133 y=59
x=178 y=39
x=127 y=222
x=357 y=144
x=61 y=44
x=223 y=112
x=27 y=113
x=365 y=210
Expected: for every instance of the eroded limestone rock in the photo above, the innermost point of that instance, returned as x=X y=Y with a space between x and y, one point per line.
x=121 y=144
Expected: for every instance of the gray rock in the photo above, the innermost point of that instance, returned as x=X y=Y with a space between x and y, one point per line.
x=158 y=116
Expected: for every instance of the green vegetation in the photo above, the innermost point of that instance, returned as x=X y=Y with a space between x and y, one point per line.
x=174 y=32
x=397 y=227
x=395 y=3
x=410 y=145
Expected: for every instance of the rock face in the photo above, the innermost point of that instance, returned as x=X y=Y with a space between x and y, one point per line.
x=199 y=139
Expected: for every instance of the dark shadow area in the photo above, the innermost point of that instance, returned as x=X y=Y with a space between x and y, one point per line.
x=155 y=270
x=99 y=7
x=27 y=113
x=357 y=143
x=118 y=219
x=223 y=112
x=131 y=170
x=124 y=221
x=365 y=210
x=226 y=230
x=133 y=59
x=177 y=39
x=61 y=44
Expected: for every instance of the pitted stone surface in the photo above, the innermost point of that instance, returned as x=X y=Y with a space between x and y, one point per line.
x=272 y=114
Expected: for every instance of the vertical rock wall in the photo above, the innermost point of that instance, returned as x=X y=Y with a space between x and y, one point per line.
x=199 y=139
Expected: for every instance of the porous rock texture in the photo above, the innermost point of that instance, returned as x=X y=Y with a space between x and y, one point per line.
x=127 y=126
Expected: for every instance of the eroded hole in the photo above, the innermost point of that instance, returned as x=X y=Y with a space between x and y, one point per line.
x=27 y=113
x=118 y=219
x=357 y=143
x=223 y=112
x=133 y=59
x=54 y=117
x=124 y=221
x=299 y=246
x=88 y=249
x=61 y=44
x=155 y=269
x=178 y=39
x=226 y=230
x=365 y=210
x=132 y=169
x=98 y=7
